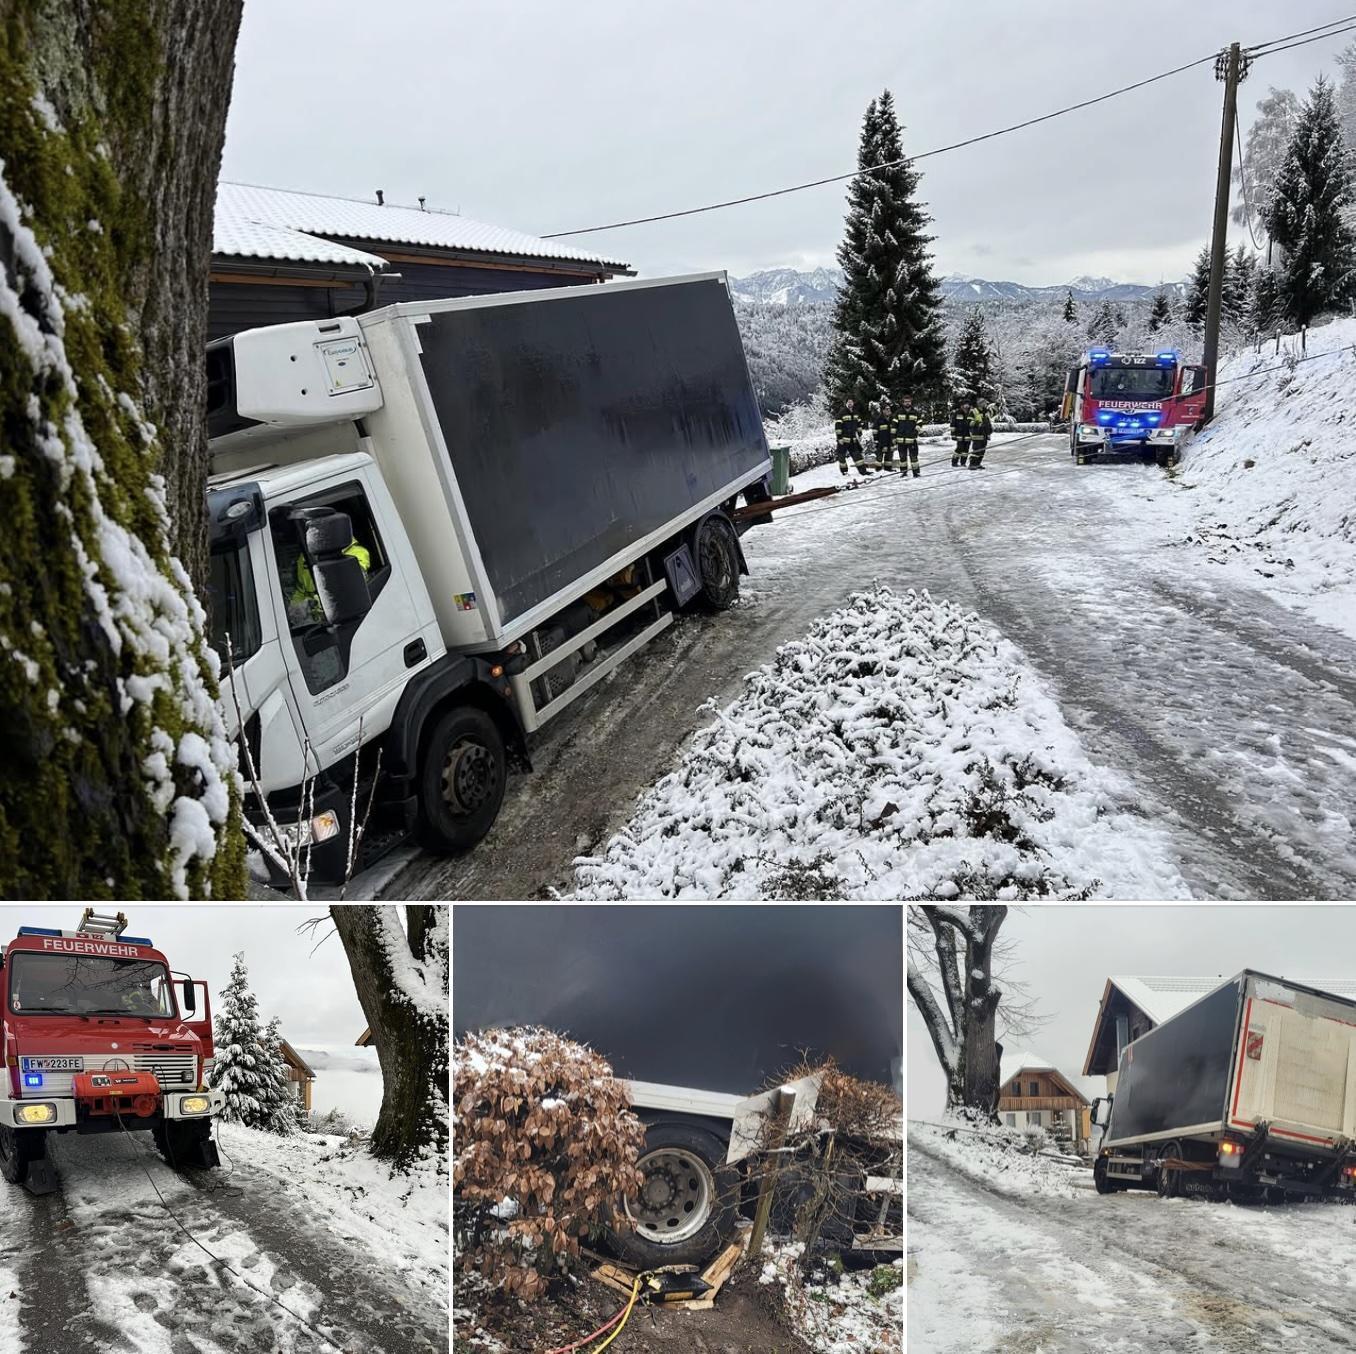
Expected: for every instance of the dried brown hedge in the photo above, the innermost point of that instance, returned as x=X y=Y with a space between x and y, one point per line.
x=539 y=1121
x=853 y=1108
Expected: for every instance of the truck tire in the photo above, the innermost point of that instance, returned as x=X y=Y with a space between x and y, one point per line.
x=685 y=1211
x=19 y=1148
x=461 y=781
x=716 y=548
x=186 y=1142
x=1100 y=1181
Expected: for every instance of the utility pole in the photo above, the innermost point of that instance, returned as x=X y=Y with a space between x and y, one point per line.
x=1231 y=67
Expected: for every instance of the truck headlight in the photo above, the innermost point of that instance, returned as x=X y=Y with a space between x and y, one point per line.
x=194 y=1104
x=36 y=1114
x=320 y=829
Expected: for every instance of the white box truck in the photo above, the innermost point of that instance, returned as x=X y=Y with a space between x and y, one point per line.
x=435 y=525
x=1248 y=1093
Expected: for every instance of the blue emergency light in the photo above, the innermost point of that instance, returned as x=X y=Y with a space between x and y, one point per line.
x=33 y=1079
x=1169 y=357
x=38 y=931
x=133 y=940
x=1099 y=357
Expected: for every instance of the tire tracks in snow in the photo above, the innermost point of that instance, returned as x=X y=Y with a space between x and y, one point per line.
x=1177 y=1284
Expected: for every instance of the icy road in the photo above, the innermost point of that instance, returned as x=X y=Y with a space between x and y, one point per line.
x=1232 y=716
x=99 y=1267
x=1074 y=1272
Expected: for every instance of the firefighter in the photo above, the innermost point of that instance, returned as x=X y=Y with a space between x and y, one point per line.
x=847 y=428
x=981 y=429
x=906 y=436
x=960 y=430
x=883 y=435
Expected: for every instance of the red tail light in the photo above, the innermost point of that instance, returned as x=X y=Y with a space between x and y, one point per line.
x=1228 y=1148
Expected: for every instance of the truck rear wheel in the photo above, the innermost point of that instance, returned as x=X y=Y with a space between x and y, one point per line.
x=685 y=1210
x=19 y=1148
x=461 y=781
x=717 y=551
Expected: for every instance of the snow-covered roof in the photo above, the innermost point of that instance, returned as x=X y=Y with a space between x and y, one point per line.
x=1162 y=998
x=236 y=235
x=1027 y=1061
x=242 y=207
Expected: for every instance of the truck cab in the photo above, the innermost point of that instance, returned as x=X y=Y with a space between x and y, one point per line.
x=100 y=1037
x=1132 y=402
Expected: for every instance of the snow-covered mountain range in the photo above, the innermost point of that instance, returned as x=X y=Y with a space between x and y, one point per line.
x=789 y=286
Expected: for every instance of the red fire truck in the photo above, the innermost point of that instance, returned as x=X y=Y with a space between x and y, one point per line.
x=1143 y=403
x=97 y=1041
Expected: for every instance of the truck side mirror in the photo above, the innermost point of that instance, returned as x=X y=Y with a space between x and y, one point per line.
x=1100 y=1119
x=190 y=1000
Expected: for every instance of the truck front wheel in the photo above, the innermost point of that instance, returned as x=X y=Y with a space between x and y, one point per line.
x=186 y=1142
x=19 y=1148
x=461 y=781
x=1099 y=1178
x=685 y=1210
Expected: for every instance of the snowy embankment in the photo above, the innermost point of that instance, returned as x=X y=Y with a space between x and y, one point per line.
x=1004 y=1159
x=861 y=1312
x=1274 y=476
x=902 y=749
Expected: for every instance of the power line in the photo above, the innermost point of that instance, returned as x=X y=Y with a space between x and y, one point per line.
x=1304 y=42
x=1302 y=33
x=888 y=164
x=1243 y=179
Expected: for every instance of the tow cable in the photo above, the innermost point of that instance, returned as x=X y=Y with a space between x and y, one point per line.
x=230 y=1269
x=669 y=1283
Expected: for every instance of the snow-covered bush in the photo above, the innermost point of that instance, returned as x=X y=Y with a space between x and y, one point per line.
x=1037 y=1139
x=546 y=1143
x=279 y=1100
x=837 y=1312
x=902 y=749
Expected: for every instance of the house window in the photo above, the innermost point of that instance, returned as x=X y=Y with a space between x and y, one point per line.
x=1016 y=1088
x=1010 y=1120
x=1033 y=1088
x=1035 y=1118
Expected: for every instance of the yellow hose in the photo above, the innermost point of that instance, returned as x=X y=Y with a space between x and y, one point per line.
x=635 y=1292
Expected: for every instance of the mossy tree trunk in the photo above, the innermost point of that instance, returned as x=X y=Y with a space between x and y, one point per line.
x=118 y=778
x=401 y=980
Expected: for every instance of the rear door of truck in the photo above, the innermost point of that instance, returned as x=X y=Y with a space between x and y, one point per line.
x=1295 y=1064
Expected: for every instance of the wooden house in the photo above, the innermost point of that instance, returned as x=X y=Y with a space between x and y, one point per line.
x=1035 y=1093
x=299 y=1074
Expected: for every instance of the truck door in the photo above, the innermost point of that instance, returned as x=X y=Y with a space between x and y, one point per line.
x=1190 y=392
x=343 y=675
x=1068 y=409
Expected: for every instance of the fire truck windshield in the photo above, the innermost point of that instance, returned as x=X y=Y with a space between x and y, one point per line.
x=58 y=984
x=1130 y=383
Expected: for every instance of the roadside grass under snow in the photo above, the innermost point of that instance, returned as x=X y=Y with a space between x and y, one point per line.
x=902 y=749
x=857 y=1314
x=1005 y=1159
x=1274 y=476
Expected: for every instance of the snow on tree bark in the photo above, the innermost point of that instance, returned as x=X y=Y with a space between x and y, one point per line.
x=402 y=984
x=120 y=779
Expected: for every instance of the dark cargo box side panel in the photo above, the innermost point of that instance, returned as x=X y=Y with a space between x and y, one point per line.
x=577 y=425
x=1178 y=1075
x=718 y=998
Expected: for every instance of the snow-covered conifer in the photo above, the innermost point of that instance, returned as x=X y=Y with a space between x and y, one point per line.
x=238 y=1066
x=279 y=1100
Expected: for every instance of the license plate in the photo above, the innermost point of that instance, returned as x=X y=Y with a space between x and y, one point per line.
x=52 y=1064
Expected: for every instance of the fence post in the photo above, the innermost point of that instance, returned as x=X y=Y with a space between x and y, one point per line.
x=785 y=1100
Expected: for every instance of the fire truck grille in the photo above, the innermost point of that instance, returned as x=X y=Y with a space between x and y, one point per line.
x=172 y=1070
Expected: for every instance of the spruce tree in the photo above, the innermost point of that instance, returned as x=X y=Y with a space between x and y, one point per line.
x=238 y=1067
x=888 y=338
x=1160 y=310
x=1198 y=290
x=1313 y=190
x=1102 y=328
x=1070 y=308
x=972 y=370
x=1236 y=302
x=1265 y=301
x=279 y=1099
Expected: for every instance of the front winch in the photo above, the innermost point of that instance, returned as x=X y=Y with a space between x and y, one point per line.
x=104 y=1094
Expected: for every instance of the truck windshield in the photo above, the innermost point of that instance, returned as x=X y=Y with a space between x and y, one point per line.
x=1131 y=383
x=235 y=608
x=69 y=984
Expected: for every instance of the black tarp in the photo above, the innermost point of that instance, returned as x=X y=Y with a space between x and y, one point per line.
x=718 y=998
x=579 y=423
x=1178 y=1075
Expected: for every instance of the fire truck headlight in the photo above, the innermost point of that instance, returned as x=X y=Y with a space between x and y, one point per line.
x=35 y=1114
x=194 y=1104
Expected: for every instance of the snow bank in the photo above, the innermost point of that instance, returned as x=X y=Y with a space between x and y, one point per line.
x=843 y=1317
x=900 y=750
x=1275 y=474
x=1000 y=1158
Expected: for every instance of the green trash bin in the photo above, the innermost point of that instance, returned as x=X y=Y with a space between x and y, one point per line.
x=781 y=470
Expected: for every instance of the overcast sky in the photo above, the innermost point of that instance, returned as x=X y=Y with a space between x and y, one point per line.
x=313 y=993
x=545 y=117
x=1066 y=954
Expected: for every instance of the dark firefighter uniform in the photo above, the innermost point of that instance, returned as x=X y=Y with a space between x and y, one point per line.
x=847 y=428
x=981 y=429
x=960 y=430
x=906 y=439
x=883 y=431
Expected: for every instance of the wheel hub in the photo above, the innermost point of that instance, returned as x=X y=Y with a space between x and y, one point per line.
x=676 y=1195
x=468 y=777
